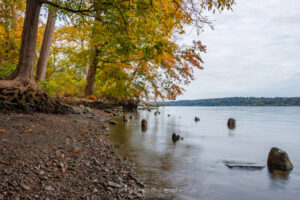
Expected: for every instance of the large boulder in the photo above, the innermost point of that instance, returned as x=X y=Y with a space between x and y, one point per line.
x=279 y=160
x=231 y=123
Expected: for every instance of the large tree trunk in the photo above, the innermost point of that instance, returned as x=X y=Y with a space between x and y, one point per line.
x=45 y=50
x=22 y=93
x=92 y=73
x=25 y=67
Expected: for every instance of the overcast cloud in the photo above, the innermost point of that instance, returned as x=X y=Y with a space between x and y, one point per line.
x=253 y=51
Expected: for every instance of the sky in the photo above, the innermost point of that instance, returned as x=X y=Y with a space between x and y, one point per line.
x=253 y=50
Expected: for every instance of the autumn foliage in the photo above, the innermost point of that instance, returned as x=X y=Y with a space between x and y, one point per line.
x=118 y=49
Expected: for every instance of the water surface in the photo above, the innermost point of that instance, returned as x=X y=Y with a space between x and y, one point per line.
x=194 y=166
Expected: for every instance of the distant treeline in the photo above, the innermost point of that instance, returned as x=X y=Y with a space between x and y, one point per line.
x=238 y=101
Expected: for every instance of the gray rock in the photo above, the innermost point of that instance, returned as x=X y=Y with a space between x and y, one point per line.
x=112 y=184
x=231 y=123
x=87 y=110
x=41 y=172
x=49 y=188
x=279 y=160
x=95 y=190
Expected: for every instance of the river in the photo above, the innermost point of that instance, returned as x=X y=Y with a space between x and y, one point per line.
x=193 y=168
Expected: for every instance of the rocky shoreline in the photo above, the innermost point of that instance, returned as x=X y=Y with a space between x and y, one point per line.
x=45 y=156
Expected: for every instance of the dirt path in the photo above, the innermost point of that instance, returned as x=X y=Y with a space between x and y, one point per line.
x=62 y=157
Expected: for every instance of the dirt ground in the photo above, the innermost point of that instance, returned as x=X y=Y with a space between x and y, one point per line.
x=44 y=156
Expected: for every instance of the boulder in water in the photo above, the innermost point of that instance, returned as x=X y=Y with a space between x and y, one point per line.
x=144 y=125
x=231 y=123
x=125 y=119
x=279 y=160
x=157 y=113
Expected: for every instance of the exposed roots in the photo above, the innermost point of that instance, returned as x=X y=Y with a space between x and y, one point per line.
x=29 y=98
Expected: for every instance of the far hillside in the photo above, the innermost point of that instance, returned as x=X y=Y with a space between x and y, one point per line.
x=238 y=101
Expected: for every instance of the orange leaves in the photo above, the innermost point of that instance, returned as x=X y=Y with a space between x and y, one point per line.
x=74 y=153
x=2 y=131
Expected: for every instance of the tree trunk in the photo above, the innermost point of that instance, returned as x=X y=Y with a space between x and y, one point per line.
x=25 y=67
x=45 y=50
x=92 y=73
x=22 y=93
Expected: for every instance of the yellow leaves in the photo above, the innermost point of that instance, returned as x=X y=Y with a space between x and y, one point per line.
x=27 y=130
x=2 y=131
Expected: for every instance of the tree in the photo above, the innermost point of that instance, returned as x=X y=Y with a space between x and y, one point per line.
x=44 y=54
x=23 y=92
x=11 y=21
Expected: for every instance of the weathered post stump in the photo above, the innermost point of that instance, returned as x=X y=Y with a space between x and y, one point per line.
x=144 y=125
x=279 y=160
x=231 y=123
x=175 y=137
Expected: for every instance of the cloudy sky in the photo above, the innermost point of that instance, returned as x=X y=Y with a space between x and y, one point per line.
x=253 y=51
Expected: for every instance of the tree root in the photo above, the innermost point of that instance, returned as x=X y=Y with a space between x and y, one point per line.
x=30 y=100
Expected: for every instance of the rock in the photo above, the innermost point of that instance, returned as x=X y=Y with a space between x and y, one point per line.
x=95 y=190
x=41 y=172
x=7 y=171
x=112 y=184
x=144 y=125
x=231 y=123
x=130 y=117
x=197 y=119
x=175 y=137
x=279 y=160
x=87 y=110
x=157 y=113
x=25 y=187
x=107 y=111
x=168 y=115
x=49 y=188
x=113 y=122
x=125 y=119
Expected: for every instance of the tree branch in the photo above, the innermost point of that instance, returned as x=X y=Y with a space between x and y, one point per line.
x=84 y=11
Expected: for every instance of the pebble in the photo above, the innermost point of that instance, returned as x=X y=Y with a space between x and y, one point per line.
x=95 y=190
x=25 y=187
x=49 y=188
x=112 y=184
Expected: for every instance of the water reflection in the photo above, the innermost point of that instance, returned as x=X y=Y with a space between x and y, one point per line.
x=194 y=165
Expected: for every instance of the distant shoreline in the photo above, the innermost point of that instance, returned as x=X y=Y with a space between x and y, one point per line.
x=237 y=101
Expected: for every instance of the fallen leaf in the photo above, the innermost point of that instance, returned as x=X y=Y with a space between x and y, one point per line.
x=74 y=153
x=7 y=163
x=62 y=155
x=2 y=131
